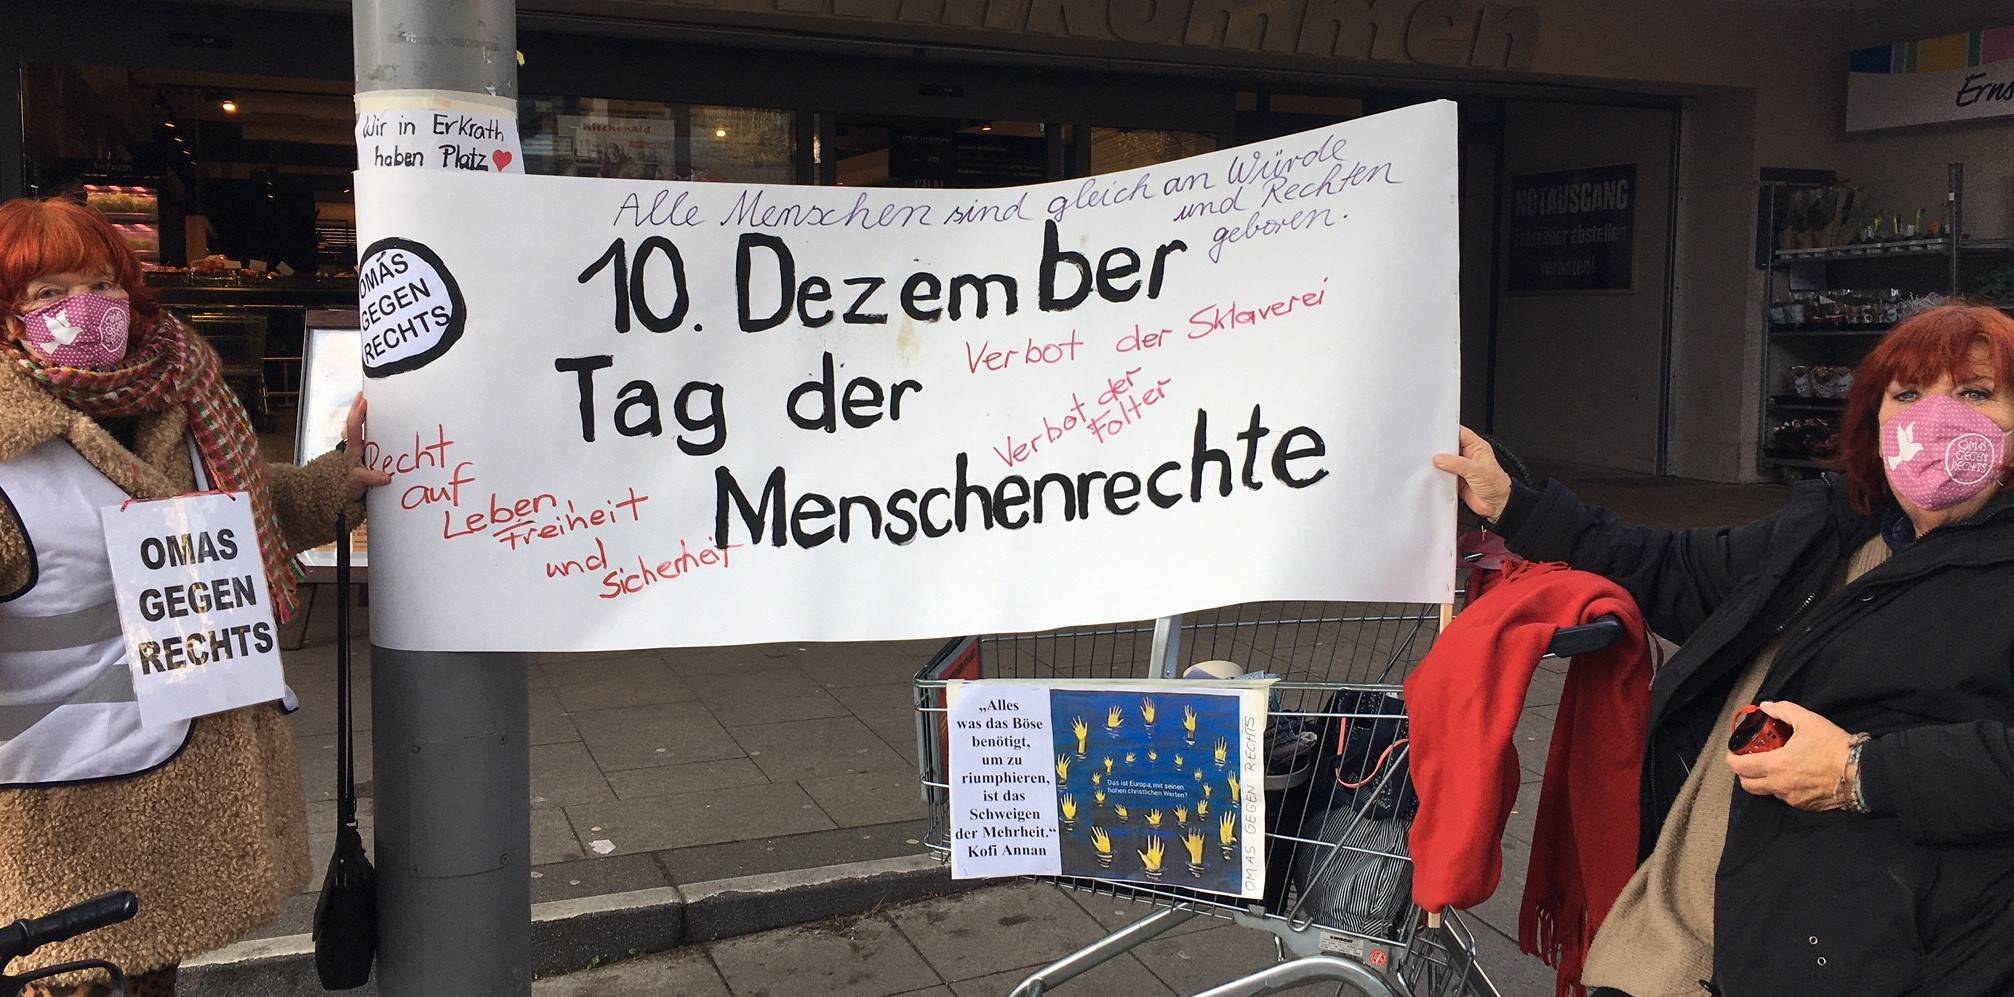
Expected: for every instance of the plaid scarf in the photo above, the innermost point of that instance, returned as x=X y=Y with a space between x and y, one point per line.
x=168 y=365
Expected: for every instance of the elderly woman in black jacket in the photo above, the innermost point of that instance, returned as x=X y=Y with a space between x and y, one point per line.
x=1873 y=852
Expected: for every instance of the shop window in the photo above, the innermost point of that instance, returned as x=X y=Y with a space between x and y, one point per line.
x=1286 y=114
x=643 y=140
x=891 y=151
x=234 y=190
x=1114 y=149
x=215 y=176
x=1333 y=108
x=743 y=145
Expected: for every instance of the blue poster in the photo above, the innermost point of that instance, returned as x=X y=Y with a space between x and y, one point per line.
x=1149 y=787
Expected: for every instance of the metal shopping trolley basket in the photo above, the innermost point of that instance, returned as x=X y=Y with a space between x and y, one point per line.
x=1338 y=793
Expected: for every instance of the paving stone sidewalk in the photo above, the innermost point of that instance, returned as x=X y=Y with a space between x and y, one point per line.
x=660 y=767
x=977 y=944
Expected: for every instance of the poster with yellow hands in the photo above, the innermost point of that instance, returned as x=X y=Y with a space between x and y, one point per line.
x=1136 y=781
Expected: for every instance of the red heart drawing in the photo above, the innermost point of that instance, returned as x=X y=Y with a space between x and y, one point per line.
x=501 y=158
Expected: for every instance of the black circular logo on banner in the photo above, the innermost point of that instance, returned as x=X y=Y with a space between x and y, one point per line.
x=409 y=306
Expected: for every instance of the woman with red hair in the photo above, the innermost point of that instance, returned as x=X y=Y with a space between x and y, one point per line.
x=105 y=397
x=1872 y=852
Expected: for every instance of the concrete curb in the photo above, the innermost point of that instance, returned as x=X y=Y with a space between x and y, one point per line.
x=568 y=935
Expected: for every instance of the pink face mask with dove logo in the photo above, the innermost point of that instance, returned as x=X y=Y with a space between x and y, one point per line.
x=83 y=330
x=1940 y=451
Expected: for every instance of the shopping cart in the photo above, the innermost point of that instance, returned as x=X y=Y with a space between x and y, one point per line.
x=1339 y=665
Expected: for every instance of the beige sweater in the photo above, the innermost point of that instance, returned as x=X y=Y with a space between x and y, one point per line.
x=1657 y=940
x=213 y=840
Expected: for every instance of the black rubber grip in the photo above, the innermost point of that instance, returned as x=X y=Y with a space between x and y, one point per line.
x=1510 y=462
x=1572 y=642
x=70 y=922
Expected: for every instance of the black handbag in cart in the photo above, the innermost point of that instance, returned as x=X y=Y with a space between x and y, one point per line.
x=346 y=917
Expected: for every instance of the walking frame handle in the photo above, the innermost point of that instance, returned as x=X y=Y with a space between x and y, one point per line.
x=1572 y=642
x=26 y=935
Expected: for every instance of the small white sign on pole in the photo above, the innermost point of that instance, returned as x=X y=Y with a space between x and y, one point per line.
x=193 y=604
x=438 y=130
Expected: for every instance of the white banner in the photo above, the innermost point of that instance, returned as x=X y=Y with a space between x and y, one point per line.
x=637 y=414
x=193 y=605
x=1146 y=782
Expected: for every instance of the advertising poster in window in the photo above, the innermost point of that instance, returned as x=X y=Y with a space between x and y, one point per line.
x=332 y=372
x=623 y=146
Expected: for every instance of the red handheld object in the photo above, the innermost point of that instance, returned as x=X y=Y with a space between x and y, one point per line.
x=1756 y=732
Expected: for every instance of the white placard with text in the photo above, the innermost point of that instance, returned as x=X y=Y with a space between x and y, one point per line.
x=437 y=130
x=194 y=605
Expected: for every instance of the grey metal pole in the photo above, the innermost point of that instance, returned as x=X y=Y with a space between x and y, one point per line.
x=12 y=183
x=453 y=769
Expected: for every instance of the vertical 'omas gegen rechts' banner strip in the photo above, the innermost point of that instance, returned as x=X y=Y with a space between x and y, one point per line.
x=634 y=414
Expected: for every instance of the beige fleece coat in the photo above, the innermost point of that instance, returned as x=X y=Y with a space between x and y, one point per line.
x=213 y=840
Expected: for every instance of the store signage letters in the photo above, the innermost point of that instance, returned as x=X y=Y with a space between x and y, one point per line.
x=1979 y=86
x=1900 y=99
x=1436 y=32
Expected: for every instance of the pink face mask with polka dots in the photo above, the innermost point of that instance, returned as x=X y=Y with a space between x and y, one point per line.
x=82 y=330
x=1939 y=452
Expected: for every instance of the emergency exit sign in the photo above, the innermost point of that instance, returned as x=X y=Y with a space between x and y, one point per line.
x=1573 y=230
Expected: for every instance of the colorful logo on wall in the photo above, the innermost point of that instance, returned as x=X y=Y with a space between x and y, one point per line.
x=1959 y=77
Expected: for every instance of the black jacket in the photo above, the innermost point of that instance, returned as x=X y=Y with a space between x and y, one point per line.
x=1915 y=898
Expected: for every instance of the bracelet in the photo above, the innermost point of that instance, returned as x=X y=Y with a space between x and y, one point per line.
x=1848 y=794
x=1859 y=796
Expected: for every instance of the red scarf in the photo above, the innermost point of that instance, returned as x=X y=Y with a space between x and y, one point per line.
x=1464 y=701
x=168 y=365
